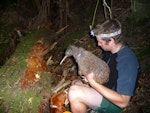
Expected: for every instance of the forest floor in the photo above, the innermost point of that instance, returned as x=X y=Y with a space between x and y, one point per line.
x=16 y=96
x=33 y=70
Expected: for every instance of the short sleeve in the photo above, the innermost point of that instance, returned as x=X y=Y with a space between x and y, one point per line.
x=127 y=66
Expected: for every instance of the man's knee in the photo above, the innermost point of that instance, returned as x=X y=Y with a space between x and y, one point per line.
x=74 y=92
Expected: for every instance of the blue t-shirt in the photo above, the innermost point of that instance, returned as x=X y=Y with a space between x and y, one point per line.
x=124 y=68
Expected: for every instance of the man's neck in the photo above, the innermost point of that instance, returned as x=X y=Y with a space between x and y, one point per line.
x=116 y=48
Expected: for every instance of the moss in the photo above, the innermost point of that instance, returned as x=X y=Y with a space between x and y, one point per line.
x=18 y=100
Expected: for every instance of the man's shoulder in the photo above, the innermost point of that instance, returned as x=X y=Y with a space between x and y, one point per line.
x=126 y=54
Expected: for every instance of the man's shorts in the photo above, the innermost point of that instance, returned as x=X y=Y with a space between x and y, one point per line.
x=108 y=107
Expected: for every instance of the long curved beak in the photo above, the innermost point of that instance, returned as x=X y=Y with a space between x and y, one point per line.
x=63 y=59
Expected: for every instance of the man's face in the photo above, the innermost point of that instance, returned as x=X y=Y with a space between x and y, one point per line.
x=103 y=44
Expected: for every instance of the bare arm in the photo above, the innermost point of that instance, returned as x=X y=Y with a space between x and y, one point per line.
x=116 y=98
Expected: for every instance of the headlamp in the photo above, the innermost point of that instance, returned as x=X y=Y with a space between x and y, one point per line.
x=109 y=35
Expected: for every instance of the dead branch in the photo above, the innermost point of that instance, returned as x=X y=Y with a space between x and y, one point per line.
x=60 y=86
x=49 y=61
x=110 y=12
x=61 y=30
x=53 y=45
x=63 y=83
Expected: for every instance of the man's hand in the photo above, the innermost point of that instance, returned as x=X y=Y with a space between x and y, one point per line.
x=90 y=79
x=116 y=98
x=84 y=79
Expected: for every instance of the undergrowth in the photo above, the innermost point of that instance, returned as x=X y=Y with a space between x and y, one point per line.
x=13 y=99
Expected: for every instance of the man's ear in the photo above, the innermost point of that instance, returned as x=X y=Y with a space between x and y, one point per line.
x=112 y=40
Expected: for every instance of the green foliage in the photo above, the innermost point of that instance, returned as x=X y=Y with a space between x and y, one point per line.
x=140 y=15
x=4 y=4
x=142 y=11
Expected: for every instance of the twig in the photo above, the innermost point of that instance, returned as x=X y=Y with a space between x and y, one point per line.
x=105 y=12
x=63 y=83
x=105 y=4
x=61 y=30
x=53 y=45
x=60 y=86
x=94 y=14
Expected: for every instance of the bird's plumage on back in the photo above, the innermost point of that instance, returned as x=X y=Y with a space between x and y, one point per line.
x=88 y=63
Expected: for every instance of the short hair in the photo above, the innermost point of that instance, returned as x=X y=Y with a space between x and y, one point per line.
x=109 y=27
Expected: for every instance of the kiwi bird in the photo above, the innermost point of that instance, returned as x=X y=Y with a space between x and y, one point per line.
x=88 y=63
